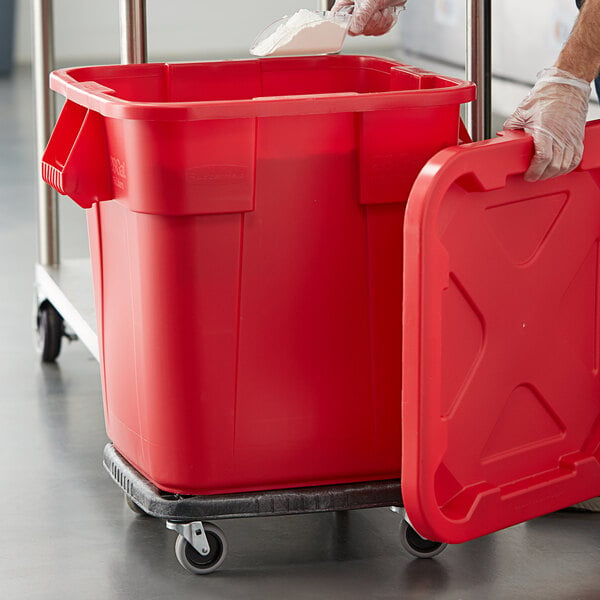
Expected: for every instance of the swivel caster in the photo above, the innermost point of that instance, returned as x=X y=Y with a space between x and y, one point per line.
x=200 y=548
x=414 y=544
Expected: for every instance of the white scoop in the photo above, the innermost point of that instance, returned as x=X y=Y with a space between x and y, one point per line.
x=304 y=32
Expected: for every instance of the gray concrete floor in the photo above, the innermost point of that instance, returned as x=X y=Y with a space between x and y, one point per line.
x=66 y=532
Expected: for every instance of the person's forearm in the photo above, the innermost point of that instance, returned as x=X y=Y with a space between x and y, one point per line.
x=581 y=54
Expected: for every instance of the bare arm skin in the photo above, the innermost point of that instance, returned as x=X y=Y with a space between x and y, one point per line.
x=581 y=54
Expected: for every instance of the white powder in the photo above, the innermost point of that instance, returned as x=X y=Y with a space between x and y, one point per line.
x=305 y=32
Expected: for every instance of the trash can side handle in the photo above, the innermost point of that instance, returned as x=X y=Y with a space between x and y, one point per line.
x=88 y=93
x=426 y=80
x=75 y=162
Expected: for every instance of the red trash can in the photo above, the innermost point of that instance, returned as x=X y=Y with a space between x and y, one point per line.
x=245 y=222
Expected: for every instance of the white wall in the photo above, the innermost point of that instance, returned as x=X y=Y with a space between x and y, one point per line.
x=527 y=35
x=88 y=30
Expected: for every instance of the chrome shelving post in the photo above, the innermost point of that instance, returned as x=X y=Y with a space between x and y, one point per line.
x=479 y=67
x=43 y=63
x=134 y=48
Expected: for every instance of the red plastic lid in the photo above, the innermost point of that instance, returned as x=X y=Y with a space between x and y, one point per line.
x=501 y=404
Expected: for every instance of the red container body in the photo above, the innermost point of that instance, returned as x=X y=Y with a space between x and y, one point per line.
x=245 y=224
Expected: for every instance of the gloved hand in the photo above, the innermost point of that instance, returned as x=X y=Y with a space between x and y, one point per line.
x=371 y=17
x=554 y=113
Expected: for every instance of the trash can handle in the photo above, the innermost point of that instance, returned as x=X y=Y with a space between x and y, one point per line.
x=75 y=162
x=424 y=79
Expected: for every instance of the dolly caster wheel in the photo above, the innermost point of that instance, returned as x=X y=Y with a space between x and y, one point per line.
x=414 y=544
x=208 y=552
x=135 y=507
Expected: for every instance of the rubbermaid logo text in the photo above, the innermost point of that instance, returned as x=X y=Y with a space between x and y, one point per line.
x=117 y=167
x=218 y=174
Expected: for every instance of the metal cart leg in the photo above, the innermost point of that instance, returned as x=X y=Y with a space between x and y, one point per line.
x=64 y=288
x=43 y=63
x=48 y=322
x=478 y=67
x=133 y=31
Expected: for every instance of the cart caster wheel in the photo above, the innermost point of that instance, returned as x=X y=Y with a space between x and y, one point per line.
x=50 y=330
x=136 y=508
x=414 y=544
x=191 y=560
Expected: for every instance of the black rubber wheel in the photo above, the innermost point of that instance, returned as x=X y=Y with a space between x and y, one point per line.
x=414 y=544
x=135 y=507
x=50 y=330
x=191 y=560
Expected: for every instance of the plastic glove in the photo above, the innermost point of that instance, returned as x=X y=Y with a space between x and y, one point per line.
x=554 y=113
x=371 y=17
